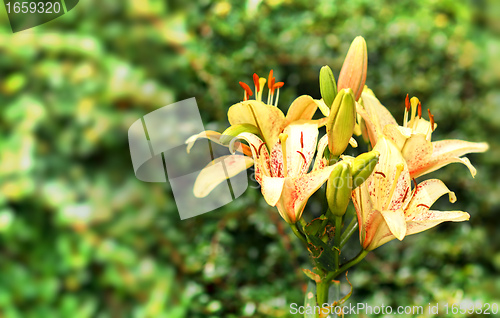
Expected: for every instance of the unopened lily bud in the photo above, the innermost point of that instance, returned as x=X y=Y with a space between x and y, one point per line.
x=362 y=167
x=235 y=130
x=339 y=188
x=327 y=85
x=353 y=72
x=341 y=121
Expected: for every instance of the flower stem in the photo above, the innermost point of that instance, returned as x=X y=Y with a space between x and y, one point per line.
x=350 y=230
x=322 y=292
x=336 y=246
x=346 y=266
x=298 y=234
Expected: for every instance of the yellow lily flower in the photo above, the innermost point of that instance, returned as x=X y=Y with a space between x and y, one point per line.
x=388 y=208
x=266 y=120
x=283 y=174
x=413 y=139
x=267 y=117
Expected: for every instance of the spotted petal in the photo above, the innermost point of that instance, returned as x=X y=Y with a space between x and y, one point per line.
x=300 y=147
x=448 y=151
x=259 y=154
x=424 y=196
x=296 y=192
x=430 y=218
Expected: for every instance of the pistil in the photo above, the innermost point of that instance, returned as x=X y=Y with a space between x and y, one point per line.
x=283 y=137
x=399 y=168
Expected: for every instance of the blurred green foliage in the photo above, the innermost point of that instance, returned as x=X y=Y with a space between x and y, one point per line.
x=81 y=237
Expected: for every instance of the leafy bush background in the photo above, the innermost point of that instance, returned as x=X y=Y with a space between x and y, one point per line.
x=81 y=237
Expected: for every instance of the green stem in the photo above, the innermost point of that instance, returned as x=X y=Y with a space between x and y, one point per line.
x=351 y=229
x=346 y=266
x=298 y=234
x=336 y=246
x=322 y=292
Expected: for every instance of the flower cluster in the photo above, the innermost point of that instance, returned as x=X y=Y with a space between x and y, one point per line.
x=282 y=147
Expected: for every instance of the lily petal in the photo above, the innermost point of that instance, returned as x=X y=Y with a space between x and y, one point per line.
x=300 y=147
x=296 y=192
x=219 y=170
x=259 y=154
x=424 y=196
x=271 y=189
x=303 y=107
x=378 y=114
x=215 y=137
x=416 y=151
x=325 y=110
x=396 y=222
x=432 y=218
x=449 y=151
x=397 y=134
x=268 y=119
x=320 y=161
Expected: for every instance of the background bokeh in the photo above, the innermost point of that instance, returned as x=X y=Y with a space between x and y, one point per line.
x=80 y=236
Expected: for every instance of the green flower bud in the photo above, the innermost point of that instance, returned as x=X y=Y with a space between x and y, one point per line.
x=327 y=85
x=235 y=130
x=362 y=167
x=339 y=188
x=341 y=121
x=353 y=72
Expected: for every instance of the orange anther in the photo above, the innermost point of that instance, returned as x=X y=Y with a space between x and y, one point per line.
x=278 y=85
x=270 y=79
x=419 y=110
x=247 y=89
x=431 y=118
x=407 y=103
x=272 y=85
x=256 y=82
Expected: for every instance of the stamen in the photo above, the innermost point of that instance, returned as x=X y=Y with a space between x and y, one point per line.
x=419 y=109
x=303 y=157
x=283 y=137
x=399 y=168
x=256 y=152
x=431 y=118
x=277 y=86
x=248 y=91
x=407 y=109
x=407 y=103
x=256 y=82
x=260 y=147
x=406 y=193
x=423 y=205
x=380 y=173
x=270 y=79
